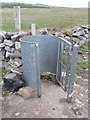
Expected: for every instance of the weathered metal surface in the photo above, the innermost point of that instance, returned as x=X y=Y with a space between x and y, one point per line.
x=48 y=48
x=66 y=65
x=39 y=54
x=30 y=59
x=46 y=53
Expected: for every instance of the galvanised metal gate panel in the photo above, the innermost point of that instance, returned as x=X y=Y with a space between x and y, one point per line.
x=48 y=51
x=30 y=61
x=45 y=53
x=66 y=65
x=39 y=54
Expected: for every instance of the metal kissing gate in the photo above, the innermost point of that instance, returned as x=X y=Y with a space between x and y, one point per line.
x=45 y=53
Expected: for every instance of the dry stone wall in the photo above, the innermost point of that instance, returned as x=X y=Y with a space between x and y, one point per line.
x=11 y=52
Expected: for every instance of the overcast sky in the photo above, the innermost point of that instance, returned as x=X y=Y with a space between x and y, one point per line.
x=61 y=3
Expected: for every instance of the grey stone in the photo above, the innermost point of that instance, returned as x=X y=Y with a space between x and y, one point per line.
x=75 y=40
x=57 y=33
x=86 y=36
x=3 y=53
x=18 y=62
x=10 y=75
x=2 y=45
x=16 y=70
x=17 y=45
x=79 y=33
x=43 y=31
x=17 y=54
x=86 y=31
x=14 y=37
x=78 y=28
x=1 y=39
x=82 y=41
x=9 y=54
x=2 y=33
x=17 y=114
x=8 y=36
x=13 y=82
x=67 y=38
x=7 y=48
x=53 y=77
x=82 y=38
x=85 y=58
x=11 y=62
x=45 y=75
x=73 y=29
x=68 y=33
x=61 y=35
x=12 y=50
x=15 y=62
x=27 y=92
x=85 y=26
x=8 y=42
x=8 y=67
x=48 y=76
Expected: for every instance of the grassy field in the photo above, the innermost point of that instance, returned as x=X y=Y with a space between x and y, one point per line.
x=60 y=18
x=81 y=64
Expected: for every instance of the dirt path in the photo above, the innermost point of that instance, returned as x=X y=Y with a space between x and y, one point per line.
x=52 y=104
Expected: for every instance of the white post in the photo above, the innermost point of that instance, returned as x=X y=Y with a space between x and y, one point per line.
x=17 y=18
x=33 y=29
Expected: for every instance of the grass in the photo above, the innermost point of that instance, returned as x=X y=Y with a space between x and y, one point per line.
x=83 y=65
x=3 y=70
x=85 y=46
x=61 y=18
x=5 y=92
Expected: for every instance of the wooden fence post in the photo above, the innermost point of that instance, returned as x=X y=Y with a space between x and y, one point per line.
x=33 y=29
x=17 y=18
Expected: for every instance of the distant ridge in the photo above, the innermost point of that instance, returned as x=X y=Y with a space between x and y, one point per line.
x=23 y=5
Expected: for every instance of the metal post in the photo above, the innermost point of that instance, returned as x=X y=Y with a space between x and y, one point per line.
x=38 y=70
x=17 y=18
x=33 y=29
x=72 y=72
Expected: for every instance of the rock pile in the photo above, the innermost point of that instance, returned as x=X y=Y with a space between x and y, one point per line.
x=11 y=56
x=76 y=35
x=11 y=60
x=13 y=82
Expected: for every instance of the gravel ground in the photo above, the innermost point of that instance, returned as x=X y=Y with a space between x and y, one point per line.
x=52 y=103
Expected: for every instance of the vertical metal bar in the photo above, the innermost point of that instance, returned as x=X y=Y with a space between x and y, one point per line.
x=58 y=69
x=61 y=57
x=72 y=72
x=68 y=66
x=38 y=71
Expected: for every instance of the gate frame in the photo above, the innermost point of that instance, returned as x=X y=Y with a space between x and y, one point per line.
x=73 y=53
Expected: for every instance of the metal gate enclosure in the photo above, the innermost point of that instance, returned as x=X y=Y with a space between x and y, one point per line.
x=66 y=66
x=44 y=53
